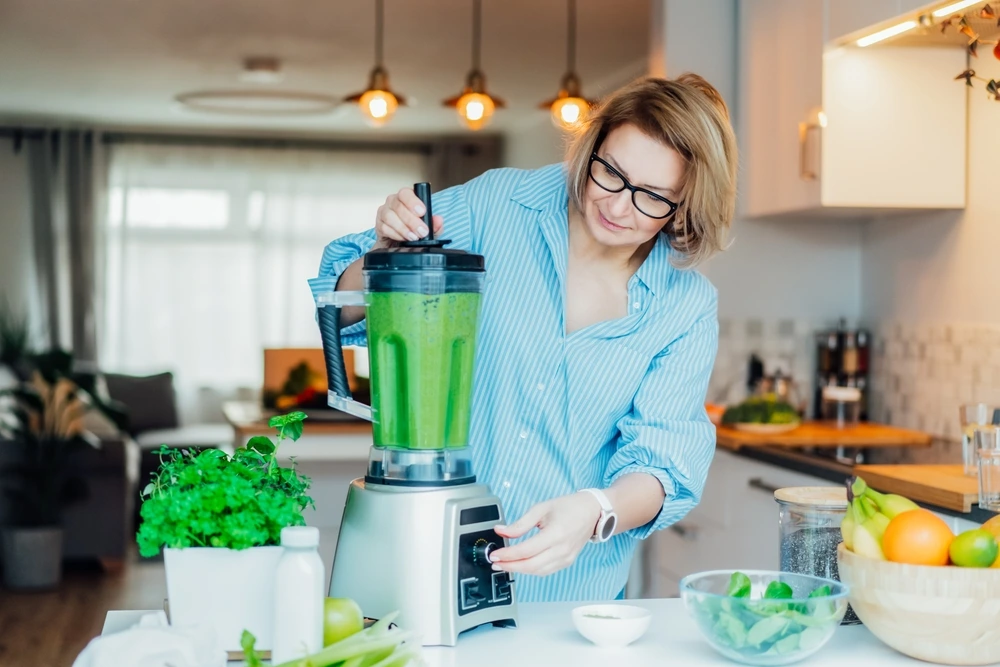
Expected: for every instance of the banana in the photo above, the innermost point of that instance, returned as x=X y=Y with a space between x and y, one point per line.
x=869 y=527
x=847 y=528
x=889 y=504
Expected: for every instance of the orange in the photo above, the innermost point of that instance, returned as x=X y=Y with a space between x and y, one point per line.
x=918 y=537
x=993 y=525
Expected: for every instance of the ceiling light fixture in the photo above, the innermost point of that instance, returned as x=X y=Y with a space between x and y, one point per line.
x=954 y=7
x=257 y=102
x=474 y=105
x=569 y=108
x=378 y=103
x=887 y=33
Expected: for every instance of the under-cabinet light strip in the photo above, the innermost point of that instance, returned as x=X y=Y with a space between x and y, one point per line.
x=954 y=7
x=887 y=33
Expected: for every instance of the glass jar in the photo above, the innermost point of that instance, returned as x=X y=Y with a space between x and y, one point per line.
x=809 y=520
x=842 y=406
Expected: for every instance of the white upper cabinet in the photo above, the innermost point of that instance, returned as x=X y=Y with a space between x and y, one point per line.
x=843 y=130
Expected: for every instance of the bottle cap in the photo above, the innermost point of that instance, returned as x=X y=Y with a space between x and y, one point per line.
x=300 y=537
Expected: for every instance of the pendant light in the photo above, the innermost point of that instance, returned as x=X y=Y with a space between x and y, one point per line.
x=378 y=103
x=474 y=105
x=569 y=108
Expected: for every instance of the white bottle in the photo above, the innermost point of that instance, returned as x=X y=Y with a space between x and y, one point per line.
x=298 y=596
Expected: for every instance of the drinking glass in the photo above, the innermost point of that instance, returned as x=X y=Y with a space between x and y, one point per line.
x=971 y=416
x=986 y=440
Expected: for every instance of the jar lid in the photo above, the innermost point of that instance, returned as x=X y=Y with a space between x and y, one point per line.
x=842 y=394
x=832 y=497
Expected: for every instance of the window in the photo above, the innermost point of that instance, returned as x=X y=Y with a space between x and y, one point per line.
x=208 y=251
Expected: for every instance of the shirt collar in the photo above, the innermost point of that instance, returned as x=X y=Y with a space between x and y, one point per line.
x=543 y=189
x=657 y=271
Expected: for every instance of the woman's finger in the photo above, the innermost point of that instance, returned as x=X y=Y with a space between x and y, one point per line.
x=529 y=520
x=438 y=223
x=545 y=539
x=410 y=219
x=394 y=228
x=541 y=564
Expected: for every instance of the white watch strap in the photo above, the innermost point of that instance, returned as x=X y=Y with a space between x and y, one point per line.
x=601 y=498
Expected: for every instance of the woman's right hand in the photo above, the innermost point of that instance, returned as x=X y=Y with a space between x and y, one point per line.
x=400 y=218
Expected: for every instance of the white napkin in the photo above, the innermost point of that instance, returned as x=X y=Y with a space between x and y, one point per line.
x=153 y=643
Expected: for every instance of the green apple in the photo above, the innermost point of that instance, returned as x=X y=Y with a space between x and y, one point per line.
x=342 y=618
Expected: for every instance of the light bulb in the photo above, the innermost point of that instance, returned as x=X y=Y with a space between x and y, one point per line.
x=475 y=109
x=569 y=112
x=378 y=106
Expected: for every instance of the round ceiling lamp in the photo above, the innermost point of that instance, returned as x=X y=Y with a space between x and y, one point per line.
x=258 y=102
x=378 y=102
x=569 y=108
x=475 y=106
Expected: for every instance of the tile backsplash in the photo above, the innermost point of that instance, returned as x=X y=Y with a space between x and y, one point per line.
x=920 y=372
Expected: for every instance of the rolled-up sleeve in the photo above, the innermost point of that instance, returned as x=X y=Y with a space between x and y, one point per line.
x=667 y=433
x=451 y=204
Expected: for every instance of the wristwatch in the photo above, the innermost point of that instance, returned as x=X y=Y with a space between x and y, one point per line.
x=609 y=520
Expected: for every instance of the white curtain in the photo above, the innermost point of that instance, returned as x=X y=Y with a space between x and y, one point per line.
x=208 y=250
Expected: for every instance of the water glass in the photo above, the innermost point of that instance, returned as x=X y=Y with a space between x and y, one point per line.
x=987 y=443
x=971 y=416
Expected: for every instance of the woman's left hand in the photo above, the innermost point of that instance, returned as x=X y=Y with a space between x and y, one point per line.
x=565 y=526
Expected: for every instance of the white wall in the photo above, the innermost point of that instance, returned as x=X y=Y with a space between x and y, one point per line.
x=803 y=269
x=15 y=229
x=944 y=267
x=534 y=146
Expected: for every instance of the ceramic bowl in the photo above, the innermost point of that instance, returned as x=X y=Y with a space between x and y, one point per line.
x=944 y=615
x=611 y=625
x=755 y=631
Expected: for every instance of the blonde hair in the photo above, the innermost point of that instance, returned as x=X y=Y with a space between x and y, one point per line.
x=690 y=116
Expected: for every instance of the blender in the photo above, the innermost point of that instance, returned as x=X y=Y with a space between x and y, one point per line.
x=417 y=529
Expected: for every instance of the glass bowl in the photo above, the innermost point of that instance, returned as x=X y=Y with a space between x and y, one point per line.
x=786 y=626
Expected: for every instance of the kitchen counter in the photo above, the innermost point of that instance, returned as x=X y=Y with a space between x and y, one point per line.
x=546 y=636
x=821 y=434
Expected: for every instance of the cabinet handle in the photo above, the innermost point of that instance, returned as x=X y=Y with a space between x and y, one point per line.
x=685 y=532
x=758 y=483
x=805 y=173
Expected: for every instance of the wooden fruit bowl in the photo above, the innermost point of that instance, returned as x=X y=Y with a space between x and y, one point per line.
x=944 y=615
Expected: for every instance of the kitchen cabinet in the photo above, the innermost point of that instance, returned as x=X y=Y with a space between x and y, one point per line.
x=841 y=130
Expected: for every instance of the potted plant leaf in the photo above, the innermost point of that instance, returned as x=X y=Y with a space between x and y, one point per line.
x=218 y=520
x=42 y=428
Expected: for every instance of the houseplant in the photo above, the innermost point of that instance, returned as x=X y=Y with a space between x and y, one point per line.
x=42 y=425
x=218 y=520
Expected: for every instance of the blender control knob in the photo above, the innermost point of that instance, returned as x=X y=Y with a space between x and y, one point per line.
x=483 y=551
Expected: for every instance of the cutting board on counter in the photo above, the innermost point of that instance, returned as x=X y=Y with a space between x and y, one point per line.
x=821 y=434
x=940 y=485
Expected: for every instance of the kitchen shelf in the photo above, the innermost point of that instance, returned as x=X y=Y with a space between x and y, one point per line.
x=820 y=434
x=939 y=485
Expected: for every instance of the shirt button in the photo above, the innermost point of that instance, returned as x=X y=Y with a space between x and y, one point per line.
x=541 y=387
x=636 y=305
x=506 y=484
x=524 y=435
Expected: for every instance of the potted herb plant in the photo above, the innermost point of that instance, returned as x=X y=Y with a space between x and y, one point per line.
x=42 y=427
x=218 y=520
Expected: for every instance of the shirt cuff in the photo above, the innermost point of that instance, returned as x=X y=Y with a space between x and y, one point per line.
x=673 y=508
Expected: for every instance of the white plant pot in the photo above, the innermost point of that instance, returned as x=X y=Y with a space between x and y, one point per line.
x=225 y=589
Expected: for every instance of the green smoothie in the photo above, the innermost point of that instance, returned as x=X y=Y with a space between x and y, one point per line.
x=421 y=349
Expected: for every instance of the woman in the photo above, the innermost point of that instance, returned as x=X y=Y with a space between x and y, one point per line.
x=597 y=339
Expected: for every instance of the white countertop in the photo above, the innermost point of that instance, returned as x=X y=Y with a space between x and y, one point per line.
x=545 y=636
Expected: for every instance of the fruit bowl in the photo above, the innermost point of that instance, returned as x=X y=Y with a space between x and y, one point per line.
x=756 y=631
x=939 y=614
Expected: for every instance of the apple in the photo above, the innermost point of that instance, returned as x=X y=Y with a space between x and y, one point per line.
x=342 y=618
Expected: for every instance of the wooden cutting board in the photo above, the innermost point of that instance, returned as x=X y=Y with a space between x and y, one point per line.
x=820 y=434
x=940 y=485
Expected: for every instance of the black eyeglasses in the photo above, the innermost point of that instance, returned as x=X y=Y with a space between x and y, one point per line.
x=648 y=203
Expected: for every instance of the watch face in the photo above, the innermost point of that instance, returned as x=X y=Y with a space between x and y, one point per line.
x=607 y=527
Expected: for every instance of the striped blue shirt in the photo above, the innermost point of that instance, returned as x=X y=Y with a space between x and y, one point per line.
x=554 y=413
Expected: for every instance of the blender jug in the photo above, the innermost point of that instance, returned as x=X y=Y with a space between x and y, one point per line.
x=422 y=305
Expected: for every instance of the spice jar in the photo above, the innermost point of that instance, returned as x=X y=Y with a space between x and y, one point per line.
x=809 y=520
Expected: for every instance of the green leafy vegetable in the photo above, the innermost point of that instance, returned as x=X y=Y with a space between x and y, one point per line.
x=760 y=410
x=779 y=590
x=247 y=641
x=377 y=646
x=208 y=499
x=739 y=586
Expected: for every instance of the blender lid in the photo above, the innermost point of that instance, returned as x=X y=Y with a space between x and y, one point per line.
x=423 y=257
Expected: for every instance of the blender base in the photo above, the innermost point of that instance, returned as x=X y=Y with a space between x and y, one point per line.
x=423 y=551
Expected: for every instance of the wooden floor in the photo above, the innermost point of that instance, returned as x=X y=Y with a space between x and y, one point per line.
x=50 y=629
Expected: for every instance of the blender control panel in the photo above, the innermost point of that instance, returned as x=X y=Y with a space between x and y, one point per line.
x=479 y=587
